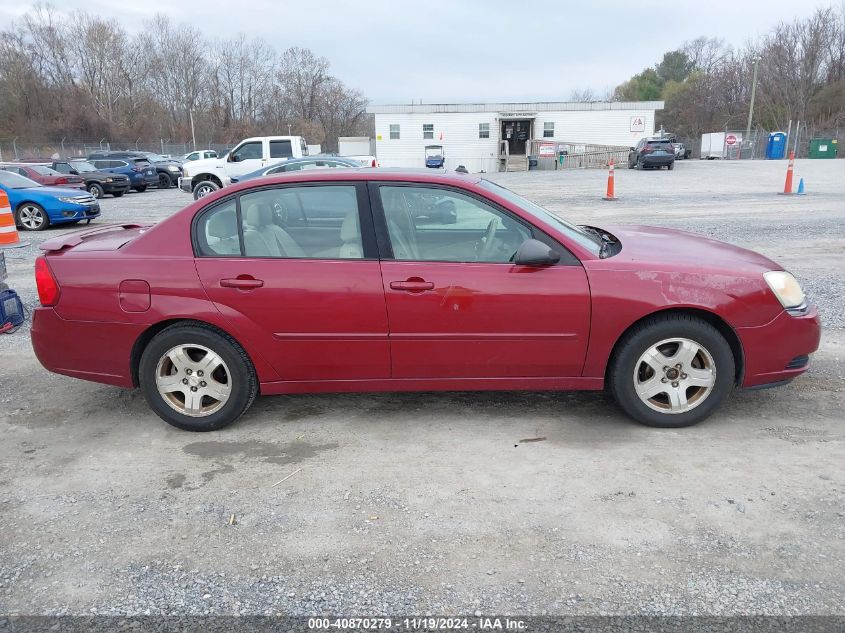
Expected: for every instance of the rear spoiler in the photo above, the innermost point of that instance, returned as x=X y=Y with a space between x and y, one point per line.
x=77 y=237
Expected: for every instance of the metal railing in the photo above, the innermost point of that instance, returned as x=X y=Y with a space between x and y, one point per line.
x=569 y=155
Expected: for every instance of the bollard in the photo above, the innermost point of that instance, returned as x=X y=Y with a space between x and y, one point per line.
x=787 y=185
x=800 y=191
x=9 y=237
x=611 y=189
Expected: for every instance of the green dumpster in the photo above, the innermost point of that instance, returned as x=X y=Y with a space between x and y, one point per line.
x=823 y=148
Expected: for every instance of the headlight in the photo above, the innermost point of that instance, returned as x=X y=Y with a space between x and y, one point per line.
x=109 y=179
x=786 y=289
x=172 y=168
x=68 y=200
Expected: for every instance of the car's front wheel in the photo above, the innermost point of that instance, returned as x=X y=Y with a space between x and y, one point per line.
x=671 y=371
x=118 y=194
x=96 y=190
x=204 y=188
x=31 y=217
x=197 y=378
x=164 y=181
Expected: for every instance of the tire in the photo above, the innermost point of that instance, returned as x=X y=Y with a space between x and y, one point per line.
x=31 y=217
x=96 y=190
x=204 y=188
x=198 y=342
x=671 y=166
x=140 y=188
x=639 y=165
x=666 y=334
x=632 y=164
x=117 y=194
x=164 y=181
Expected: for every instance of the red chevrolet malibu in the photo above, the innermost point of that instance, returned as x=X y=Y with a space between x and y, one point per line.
x=376 y=280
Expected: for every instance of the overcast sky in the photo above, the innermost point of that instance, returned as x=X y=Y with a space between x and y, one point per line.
x=445 y=51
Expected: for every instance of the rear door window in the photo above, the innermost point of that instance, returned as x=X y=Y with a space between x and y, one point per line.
x=280 y=149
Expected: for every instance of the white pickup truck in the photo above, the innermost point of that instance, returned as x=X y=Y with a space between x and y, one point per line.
x=202 y=177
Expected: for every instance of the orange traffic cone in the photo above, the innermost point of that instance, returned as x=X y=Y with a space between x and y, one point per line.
x=9 y=237
x=611 y=191
x=787 y=185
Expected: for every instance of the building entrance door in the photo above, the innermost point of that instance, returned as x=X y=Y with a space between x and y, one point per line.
x=517 y=133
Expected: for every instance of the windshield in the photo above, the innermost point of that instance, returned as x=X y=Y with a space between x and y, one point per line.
x=14 y=181
x=83 y=166
x=572 y=231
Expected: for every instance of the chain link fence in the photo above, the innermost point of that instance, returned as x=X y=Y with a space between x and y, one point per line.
x=19 y=149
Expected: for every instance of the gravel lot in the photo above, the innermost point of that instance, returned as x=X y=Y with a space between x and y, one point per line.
x=436 y=503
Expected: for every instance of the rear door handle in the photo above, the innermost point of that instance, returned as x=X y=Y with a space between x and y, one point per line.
x=412 y=285
x=244 y=282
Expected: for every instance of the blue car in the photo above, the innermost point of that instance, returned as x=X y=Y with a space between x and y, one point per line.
x=140 y=172
x=297 y=164
x=36 y=207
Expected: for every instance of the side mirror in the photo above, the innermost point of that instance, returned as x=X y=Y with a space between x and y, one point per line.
x=74 y=172
x=231 y=158
x=535 y=253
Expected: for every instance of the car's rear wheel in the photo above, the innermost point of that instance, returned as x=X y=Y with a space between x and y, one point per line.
x=117 y=194
x=197 y=378
x=204 y=188
x=670 y=166
x=671 y=371
x=140 y=189
x=96 y=190
x=32 y=217
x=164 y=181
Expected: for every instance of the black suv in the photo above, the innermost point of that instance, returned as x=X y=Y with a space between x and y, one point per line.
x=167 y=169
x=652 y=152
x=98 y=183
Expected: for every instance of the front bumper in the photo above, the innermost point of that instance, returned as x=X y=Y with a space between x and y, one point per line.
x=185 y=184
x=773 y=351
x=73 y=213
x=111 y=187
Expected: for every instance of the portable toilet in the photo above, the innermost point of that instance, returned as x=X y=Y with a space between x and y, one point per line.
x=776 y=147
x=823 y=148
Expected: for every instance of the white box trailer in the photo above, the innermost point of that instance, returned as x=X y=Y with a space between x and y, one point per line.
x=713 y=145
x=355 y=146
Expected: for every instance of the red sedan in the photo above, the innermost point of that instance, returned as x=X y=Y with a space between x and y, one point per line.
x=375 y=280
x=46 y=176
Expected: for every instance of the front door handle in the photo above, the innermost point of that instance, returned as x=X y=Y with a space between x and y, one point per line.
x=242 y=282
x=414 y=284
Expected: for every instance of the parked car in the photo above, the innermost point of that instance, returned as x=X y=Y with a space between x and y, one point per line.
x=200 y=154
x=297 y=164
x=238 y=293
x=167 y=169
x=680 y=151
x=140 y=172
x=44 y=175
x=36 y=206
x=652 y=152
x=97 y=183
x=202 y=177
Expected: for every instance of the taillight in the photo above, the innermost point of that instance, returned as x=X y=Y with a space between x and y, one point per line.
x=48 y=287
x=61 y=181
x=374 y=163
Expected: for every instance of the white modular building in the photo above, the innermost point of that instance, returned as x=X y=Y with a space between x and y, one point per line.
x=486 y=136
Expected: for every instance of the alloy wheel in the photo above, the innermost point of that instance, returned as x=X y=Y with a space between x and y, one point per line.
x=194 y=380
x=31 y=217
x=675 y=375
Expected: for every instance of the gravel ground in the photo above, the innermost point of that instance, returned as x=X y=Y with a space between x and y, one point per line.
x=434 y=503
